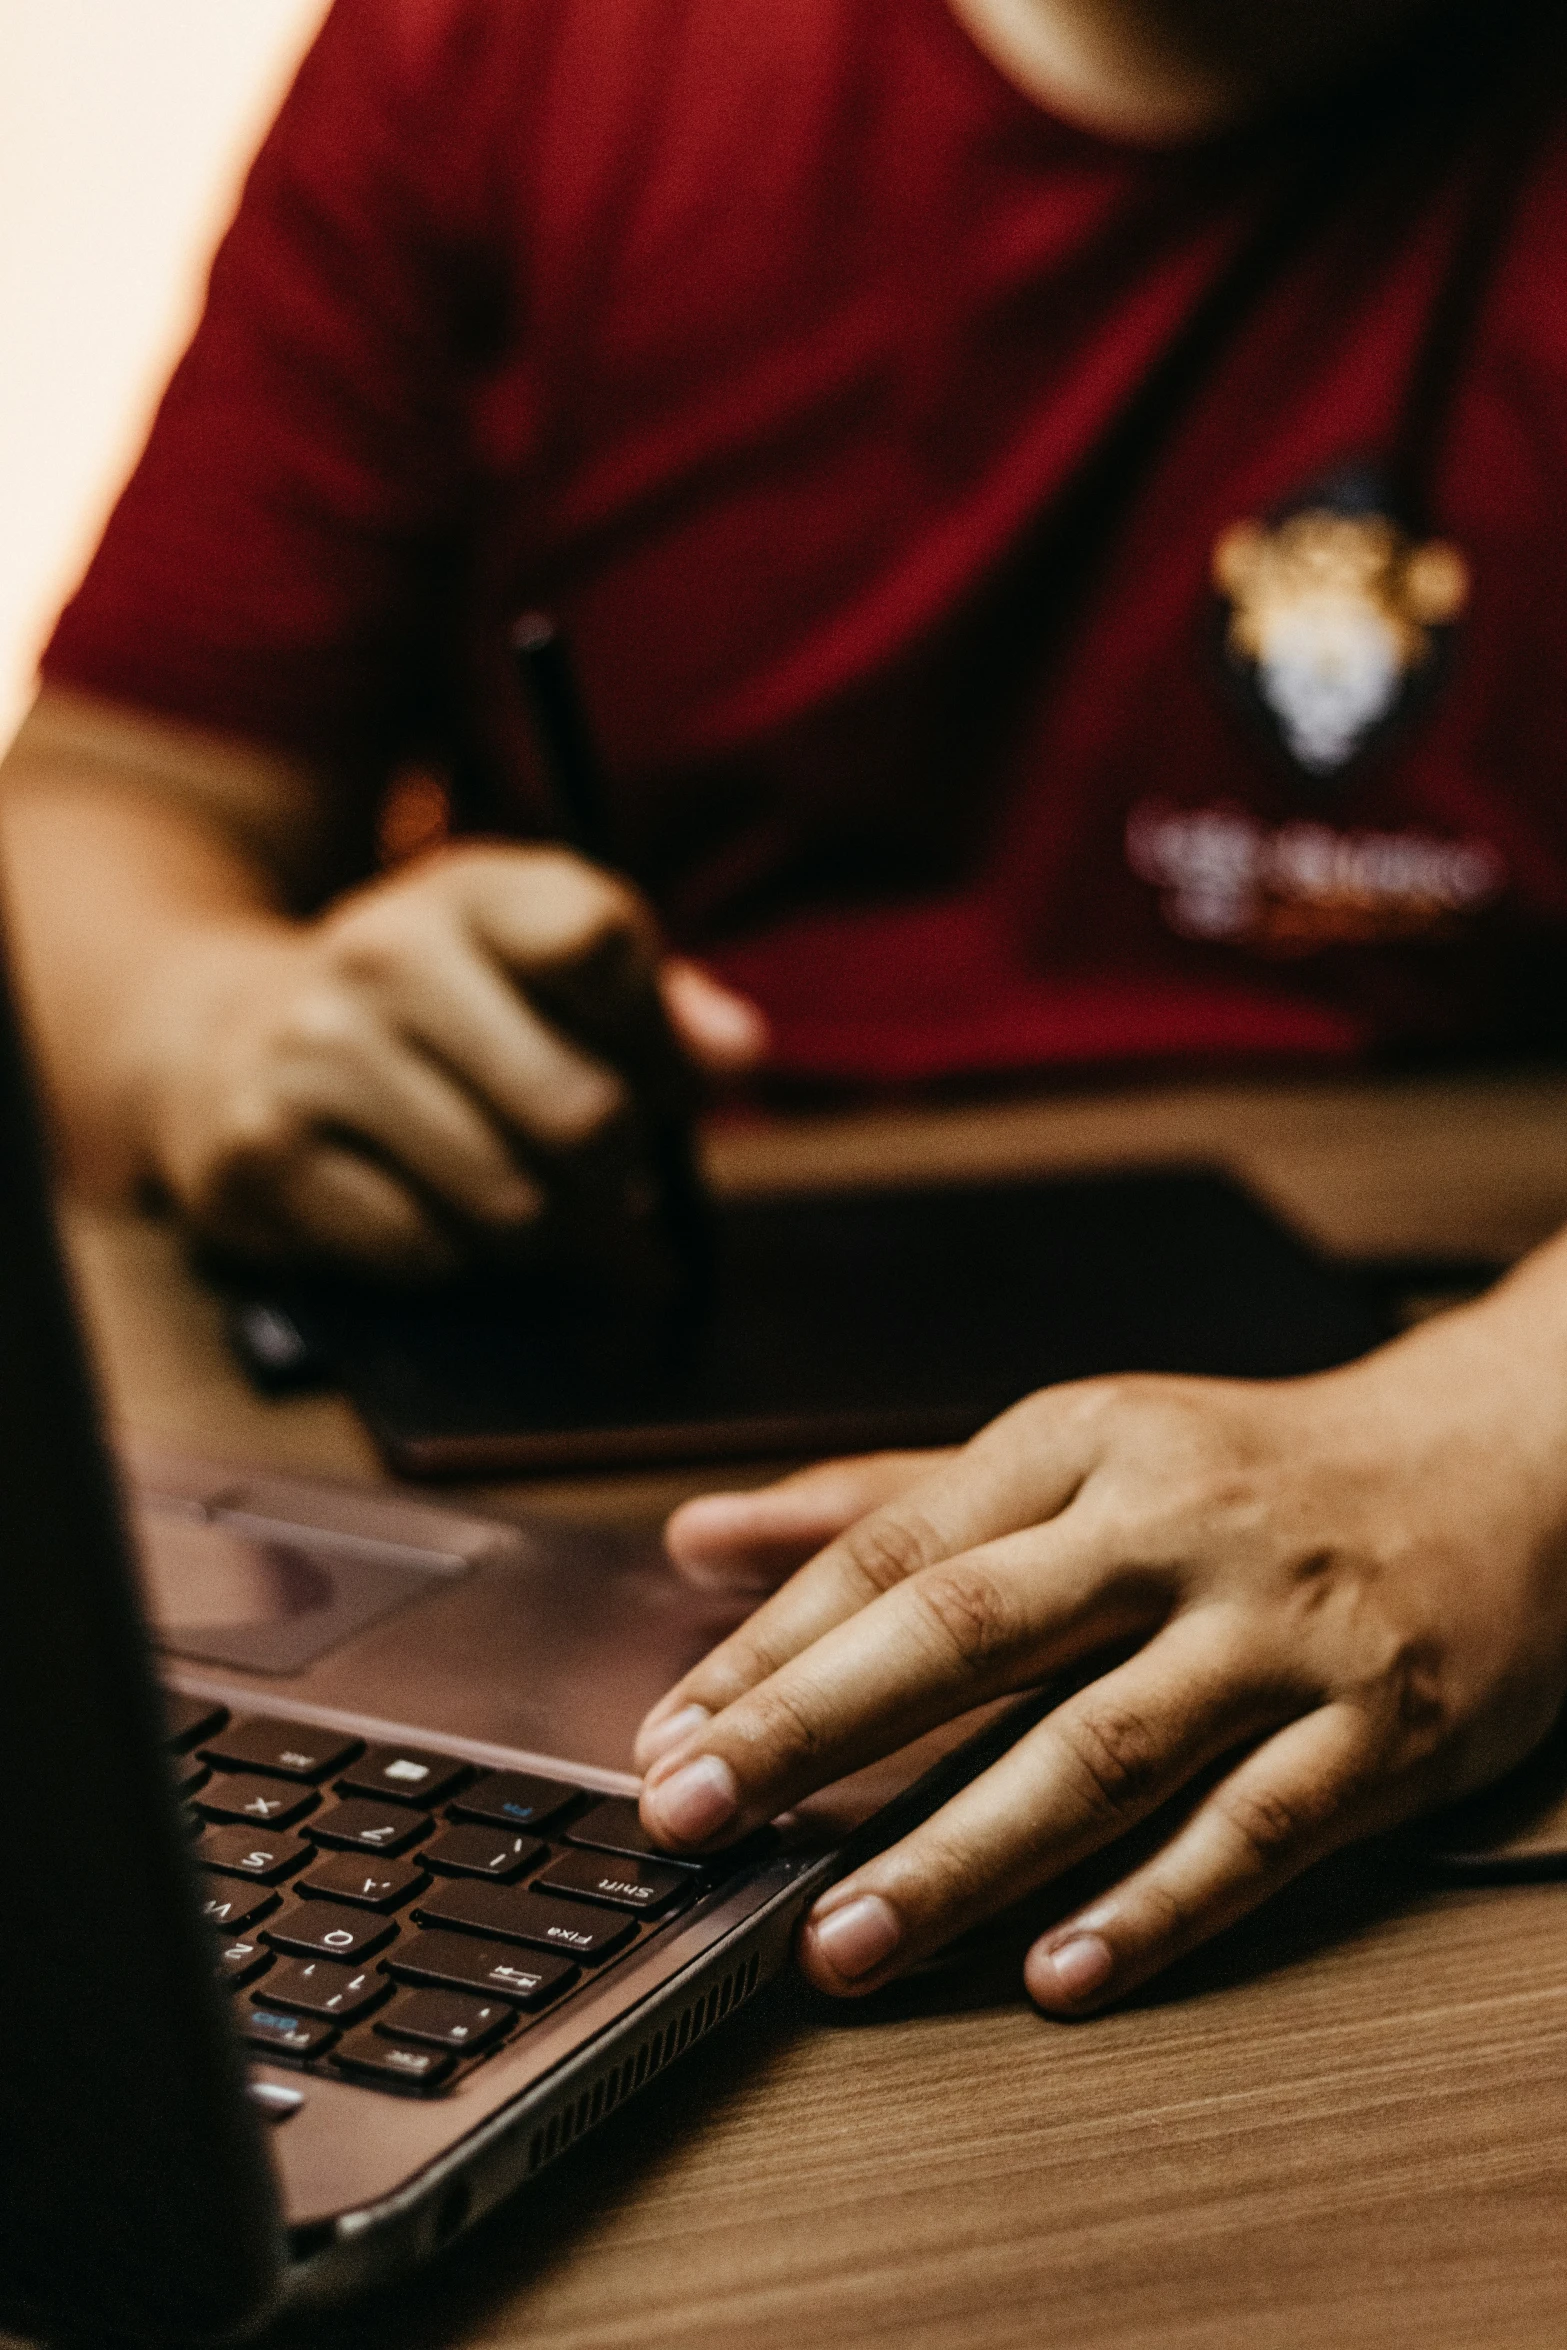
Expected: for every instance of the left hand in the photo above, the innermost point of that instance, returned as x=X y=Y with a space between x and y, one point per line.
x=1339 y=1601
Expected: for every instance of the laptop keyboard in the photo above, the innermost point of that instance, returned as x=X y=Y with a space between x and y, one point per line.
x=394 y=1916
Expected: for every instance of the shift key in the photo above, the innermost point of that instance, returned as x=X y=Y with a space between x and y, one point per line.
x=511 y=1914
x=646 y=1887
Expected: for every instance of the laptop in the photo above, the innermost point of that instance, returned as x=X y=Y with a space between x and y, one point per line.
x=330 y=1924
x=329 y=1920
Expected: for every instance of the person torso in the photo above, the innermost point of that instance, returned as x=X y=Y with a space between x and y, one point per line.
x=1017 y=626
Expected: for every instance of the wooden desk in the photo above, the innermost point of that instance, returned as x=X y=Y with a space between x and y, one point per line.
x=1348 y=2126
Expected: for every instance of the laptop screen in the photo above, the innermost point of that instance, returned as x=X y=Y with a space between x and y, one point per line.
x=135 y=2192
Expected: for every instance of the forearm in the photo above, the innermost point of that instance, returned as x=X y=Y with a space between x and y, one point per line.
x=124 y=879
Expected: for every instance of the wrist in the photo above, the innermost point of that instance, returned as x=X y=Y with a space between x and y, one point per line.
x=1464 y=1420
x=180 y=1028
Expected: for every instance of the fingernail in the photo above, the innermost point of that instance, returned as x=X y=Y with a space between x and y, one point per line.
x=730 y=1020
x=1080 y=1966
x=859 y=1937
x=656 y=1738
x=695 y=1803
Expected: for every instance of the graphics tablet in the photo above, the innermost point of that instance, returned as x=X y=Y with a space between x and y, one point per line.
x=841 y=1322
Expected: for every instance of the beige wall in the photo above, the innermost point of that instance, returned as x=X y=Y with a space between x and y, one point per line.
x=124 y=125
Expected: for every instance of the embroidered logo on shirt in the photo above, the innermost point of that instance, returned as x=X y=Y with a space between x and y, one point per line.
x=1293 y=888
x=1336 y=619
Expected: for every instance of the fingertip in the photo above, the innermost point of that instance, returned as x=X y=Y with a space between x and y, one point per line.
x=842 y=1949
x=662 y=1732
x=1069 y=1973
x=710 y=1539
x=706 y=1521
x=689 y=1803
x=724 y=1032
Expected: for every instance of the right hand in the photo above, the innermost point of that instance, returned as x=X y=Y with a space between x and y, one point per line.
x=445 y=1063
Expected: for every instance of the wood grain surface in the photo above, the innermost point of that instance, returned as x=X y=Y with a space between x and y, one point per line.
x=1346 y=2130
x=1346 y=2125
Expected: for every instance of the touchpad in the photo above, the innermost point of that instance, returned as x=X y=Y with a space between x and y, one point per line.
x=268 y=1599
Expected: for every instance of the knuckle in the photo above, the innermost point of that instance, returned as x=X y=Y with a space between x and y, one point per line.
x=938 y=1878
x=579 y=909
x=375 y=934
x=1420 y=1695
x=1166 y=1920
x=456 y=868
x=579 y=1111
x=733 y=1670
x=1119 y=1394
x=366 y=941
x=321 y=1023
x=233 y=1189
x=599 y=900
x=886 y=1549
x=259 y=1131
x=1175 y=1412
x=783 y=1723
x=1117 y=1752
x=1116 y=1420
x=969 y=1611
x=1268 y=1823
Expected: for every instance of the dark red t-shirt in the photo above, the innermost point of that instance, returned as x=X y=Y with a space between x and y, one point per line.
x=873 y=432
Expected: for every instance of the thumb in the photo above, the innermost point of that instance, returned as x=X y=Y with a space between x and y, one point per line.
x=725 y=1034
x=753 y=1541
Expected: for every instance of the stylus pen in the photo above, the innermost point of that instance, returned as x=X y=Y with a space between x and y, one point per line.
x=547 y=675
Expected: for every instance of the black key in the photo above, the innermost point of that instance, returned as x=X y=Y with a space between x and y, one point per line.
x=190 y=1772
x=367 y=1883
x=366 y=2057
x=265 y=1803
x=315 y=1986
x=514 y=1799
x=483 y=1852
x=614 y=1826
x=320 y=1929
x=241 y=1961
x=514 y=1915
x=272 y=2101
x=361 y=1826
x=644 y=1886
x=189 y=1718
x=442 y=2019
x=251 y=1852
x=406 y=1774
x=283 y=2035
x=231 y=1908
x=458 y=1963
x=284 y=1750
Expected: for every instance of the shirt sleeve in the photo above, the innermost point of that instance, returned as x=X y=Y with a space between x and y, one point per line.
x=275 y=566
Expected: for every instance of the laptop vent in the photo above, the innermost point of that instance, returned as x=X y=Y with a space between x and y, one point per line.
x=622 y=2080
